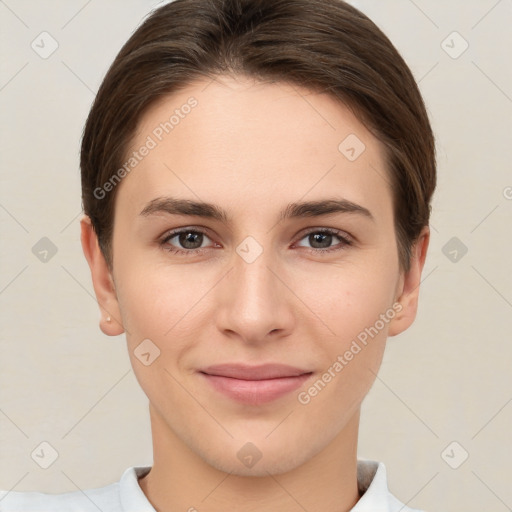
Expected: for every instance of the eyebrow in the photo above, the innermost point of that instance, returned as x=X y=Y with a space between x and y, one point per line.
x=174 y=206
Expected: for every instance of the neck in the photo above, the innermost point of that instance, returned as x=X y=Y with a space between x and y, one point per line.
x=181 y=480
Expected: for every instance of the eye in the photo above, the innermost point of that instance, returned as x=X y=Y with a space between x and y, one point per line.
x=188 y=241
x=322 y=238
x=191 y=241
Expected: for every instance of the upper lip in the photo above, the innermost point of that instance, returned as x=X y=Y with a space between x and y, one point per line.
x=247 y=372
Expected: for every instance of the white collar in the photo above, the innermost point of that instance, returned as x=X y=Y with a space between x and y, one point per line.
x=371 y=479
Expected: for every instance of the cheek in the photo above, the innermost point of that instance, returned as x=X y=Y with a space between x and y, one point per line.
x=349 y=359
x=347 y=299
x=155 y=302
x=351 y=306
x=160 y=308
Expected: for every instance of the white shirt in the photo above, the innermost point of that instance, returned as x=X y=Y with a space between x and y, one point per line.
x=127 y=496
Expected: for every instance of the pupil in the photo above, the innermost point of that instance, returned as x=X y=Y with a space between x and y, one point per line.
x=321 y=237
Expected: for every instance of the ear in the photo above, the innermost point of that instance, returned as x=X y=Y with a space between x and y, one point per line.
x=102 y=280
x=408 y=288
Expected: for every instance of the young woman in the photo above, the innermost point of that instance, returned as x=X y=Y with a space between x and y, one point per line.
x=257 y=178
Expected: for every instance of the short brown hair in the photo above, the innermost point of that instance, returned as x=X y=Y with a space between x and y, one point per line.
x=322 y=45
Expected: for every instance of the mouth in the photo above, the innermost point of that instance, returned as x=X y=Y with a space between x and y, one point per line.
x=255 y=385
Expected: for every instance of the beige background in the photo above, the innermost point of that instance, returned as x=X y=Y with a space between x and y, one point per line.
x=446 y=379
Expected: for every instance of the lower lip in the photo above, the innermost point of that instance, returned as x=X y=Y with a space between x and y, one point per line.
x=256 y=392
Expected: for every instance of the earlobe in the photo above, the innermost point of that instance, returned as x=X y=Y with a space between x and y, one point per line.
x=409 y=286
x=104 y=289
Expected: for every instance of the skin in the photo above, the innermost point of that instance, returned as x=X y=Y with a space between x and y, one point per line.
x=252 y=148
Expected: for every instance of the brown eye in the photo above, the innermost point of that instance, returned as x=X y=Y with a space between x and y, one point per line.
x=187 y=241
x=190 y=239
x=321 y=240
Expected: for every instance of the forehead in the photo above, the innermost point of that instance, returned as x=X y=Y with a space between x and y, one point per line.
x=244 y=142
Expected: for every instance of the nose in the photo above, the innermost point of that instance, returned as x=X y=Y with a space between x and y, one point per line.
x=254 y=301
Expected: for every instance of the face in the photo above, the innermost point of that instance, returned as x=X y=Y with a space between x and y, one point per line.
x=254 y=278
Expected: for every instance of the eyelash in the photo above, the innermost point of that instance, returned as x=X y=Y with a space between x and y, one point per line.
x=345 y=241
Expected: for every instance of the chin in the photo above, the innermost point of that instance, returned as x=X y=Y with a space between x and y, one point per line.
x=269 y=464
x=260 y=457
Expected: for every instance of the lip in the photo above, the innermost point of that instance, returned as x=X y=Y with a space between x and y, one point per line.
x=255 y=385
